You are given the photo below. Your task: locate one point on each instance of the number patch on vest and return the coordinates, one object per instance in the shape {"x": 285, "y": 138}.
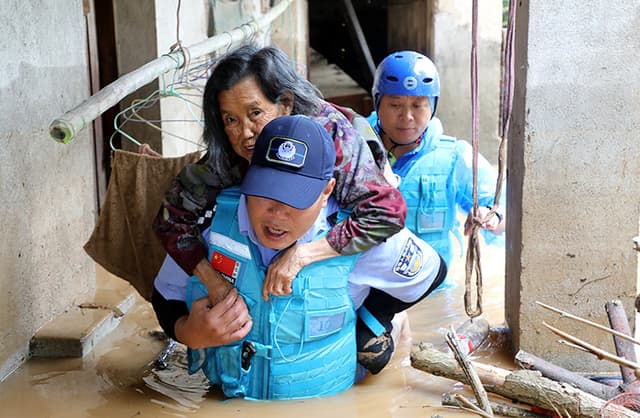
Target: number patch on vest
{"x": 321, "y": 325}
{"x": 409, "y": 263}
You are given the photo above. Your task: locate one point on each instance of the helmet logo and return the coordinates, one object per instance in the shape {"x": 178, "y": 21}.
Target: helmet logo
{"x": 410, "y": 83}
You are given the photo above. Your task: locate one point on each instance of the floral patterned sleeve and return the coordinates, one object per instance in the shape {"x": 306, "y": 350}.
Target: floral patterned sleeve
{"x": 378, "y": 210}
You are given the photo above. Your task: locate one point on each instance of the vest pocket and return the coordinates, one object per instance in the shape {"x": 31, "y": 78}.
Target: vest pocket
{"x": 432, "y": 208}
{"x": 226, "y": 370}
{"x": 311, "y": 316}
{"x": 433, "y": 221}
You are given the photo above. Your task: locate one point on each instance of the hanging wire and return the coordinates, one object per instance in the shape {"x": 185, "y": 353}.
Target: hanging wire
{"x": 186, "y": 87}
{"x": 186, "y": 84}
{"x": 65, "y": 128}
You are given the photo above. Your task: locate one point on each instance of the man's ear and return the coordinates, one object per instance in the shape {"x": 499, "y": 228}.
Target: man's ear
{"x": 328, "y": 189}
{"x": 286, "y": 103}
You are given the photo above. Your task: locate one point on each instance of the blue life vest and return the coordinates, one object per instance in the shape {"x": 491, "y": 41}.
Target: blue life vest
{"x": 301, "y": 345}
{"x": 428, "y": 187}
{"x": 437, "y": 180}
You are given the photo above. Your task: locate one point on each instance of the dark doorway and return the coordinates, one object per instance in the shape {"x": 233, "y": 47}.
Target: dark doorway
{"x": 347, "y": 32}
{"x": 103, "y": 70}
{"x": 332, "y": 34}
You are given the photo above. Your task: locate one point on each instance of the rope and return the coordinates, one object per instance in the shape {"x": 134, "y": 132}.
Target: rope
{"x": 507, "y": 98}
{"x": 473, "y": 264}
{"x": 473, "y": 249}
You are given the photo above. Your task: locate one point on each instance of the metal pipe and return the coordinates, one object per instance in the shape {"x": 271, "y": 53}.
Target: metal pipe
{"x": 65, "y": 128}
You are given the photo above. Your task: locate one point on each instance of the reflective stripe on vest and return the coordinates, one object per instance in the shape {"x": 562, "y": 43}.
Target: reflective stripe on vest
{"x": 301, "y": 345}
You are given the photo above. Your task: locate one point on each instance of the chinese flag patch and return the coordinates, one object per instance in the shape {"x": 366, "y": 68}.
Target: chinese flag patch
{"x": 225, "y": 265}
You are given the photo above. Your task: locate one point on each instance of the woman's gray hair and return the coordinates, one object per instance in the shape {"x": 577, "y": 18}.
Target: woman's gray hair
{"x": 276, "y": 77}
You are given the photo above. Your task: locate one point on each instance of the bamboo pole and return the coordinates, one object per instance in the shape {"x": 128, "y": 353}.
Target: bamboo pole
{"x": 65, "y": 128}
{"x": 625, "y": 349}
{"x": 587, "y": 322}
{"x": 601, "y": 354}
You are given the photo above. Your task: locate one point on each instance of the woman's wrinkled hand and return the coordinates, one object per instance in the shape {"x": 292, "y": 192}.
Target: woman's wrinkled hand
{"x": 283, "y": 270}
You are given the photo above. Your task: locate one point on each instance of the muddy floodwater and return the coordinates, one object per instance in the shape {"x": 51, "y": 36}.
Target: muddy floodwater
{"x": 119, "y": 378}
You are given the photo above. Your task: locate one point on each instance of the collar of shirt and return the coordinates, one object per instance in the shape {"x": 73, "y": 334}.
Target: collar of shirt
{"x": 319, "y": 228}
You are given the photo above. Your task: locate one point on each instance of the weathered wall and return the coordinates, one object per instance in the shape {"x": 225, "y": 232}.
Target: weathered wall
{"x": 574, "y": 169}
{"x": 145, "y": 30}
{"x": 452, "y": 56}
{"x": 48, "y": 189}
{"x": 195, "y": 22}
{"x": 136, "y": 34}
{"x": 290, "y": 32}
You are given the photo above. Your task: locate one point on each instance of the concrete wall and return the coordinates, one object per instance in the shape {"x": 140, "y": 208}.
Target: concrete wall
{"x": 145, "y": 30}
{"x": 573, "y": 173}
{"x": 195, "y": 22}
{"x": 452, "y": 56}
{"x": 48, "y": 189}
{"x": 136, "y": 34}
{"x": 290, "y": 32}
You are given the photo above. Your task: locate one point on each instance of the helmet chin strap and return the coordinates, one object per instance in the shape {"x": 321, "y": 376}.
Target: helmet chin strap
{"x": 397, "y": 144}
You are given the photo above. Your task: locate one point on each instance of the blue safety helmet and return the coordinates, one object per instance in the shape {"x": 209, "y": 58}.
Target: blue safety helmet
{"x": 406, "y": 73}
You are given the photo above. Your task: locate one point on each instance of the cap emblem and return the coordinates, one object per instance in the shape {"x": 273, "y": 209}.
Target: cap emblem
{"x": 287, "y": 151}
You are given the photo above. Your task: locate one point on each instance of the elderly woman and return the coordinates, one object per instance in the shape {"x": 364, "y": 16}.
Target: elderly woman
{"x": 248, "y": 88}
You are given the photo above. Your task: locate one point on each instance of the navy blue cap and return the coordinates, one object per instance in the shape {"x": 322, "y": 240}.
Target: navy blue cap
{"x": 292, "y": 162}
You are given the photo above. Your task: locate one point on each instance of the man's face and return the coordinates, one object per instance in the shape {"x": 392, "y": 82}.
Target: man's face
{"x": 245, "y": 110}
{"x": 404, "y": 118}
{"x": 277, "y": 225}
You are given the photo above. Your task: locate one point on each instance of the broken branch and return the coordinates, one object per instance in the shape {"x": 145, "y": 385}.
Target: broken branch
{"x": 522, "y": 385}
{"x": 499, "y": 408}
{"x": 470, "y": 373}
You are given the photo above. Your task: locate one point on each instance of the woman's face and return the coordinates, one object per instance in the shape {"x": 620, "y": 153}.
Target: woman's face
{"x": 404, "y": 118}
{"x": 245, "y": 110}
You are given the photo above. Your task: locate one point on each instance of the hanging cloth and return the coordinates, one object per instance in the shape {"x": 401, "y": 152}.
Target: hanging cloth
{"x": 123, "y": 241}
